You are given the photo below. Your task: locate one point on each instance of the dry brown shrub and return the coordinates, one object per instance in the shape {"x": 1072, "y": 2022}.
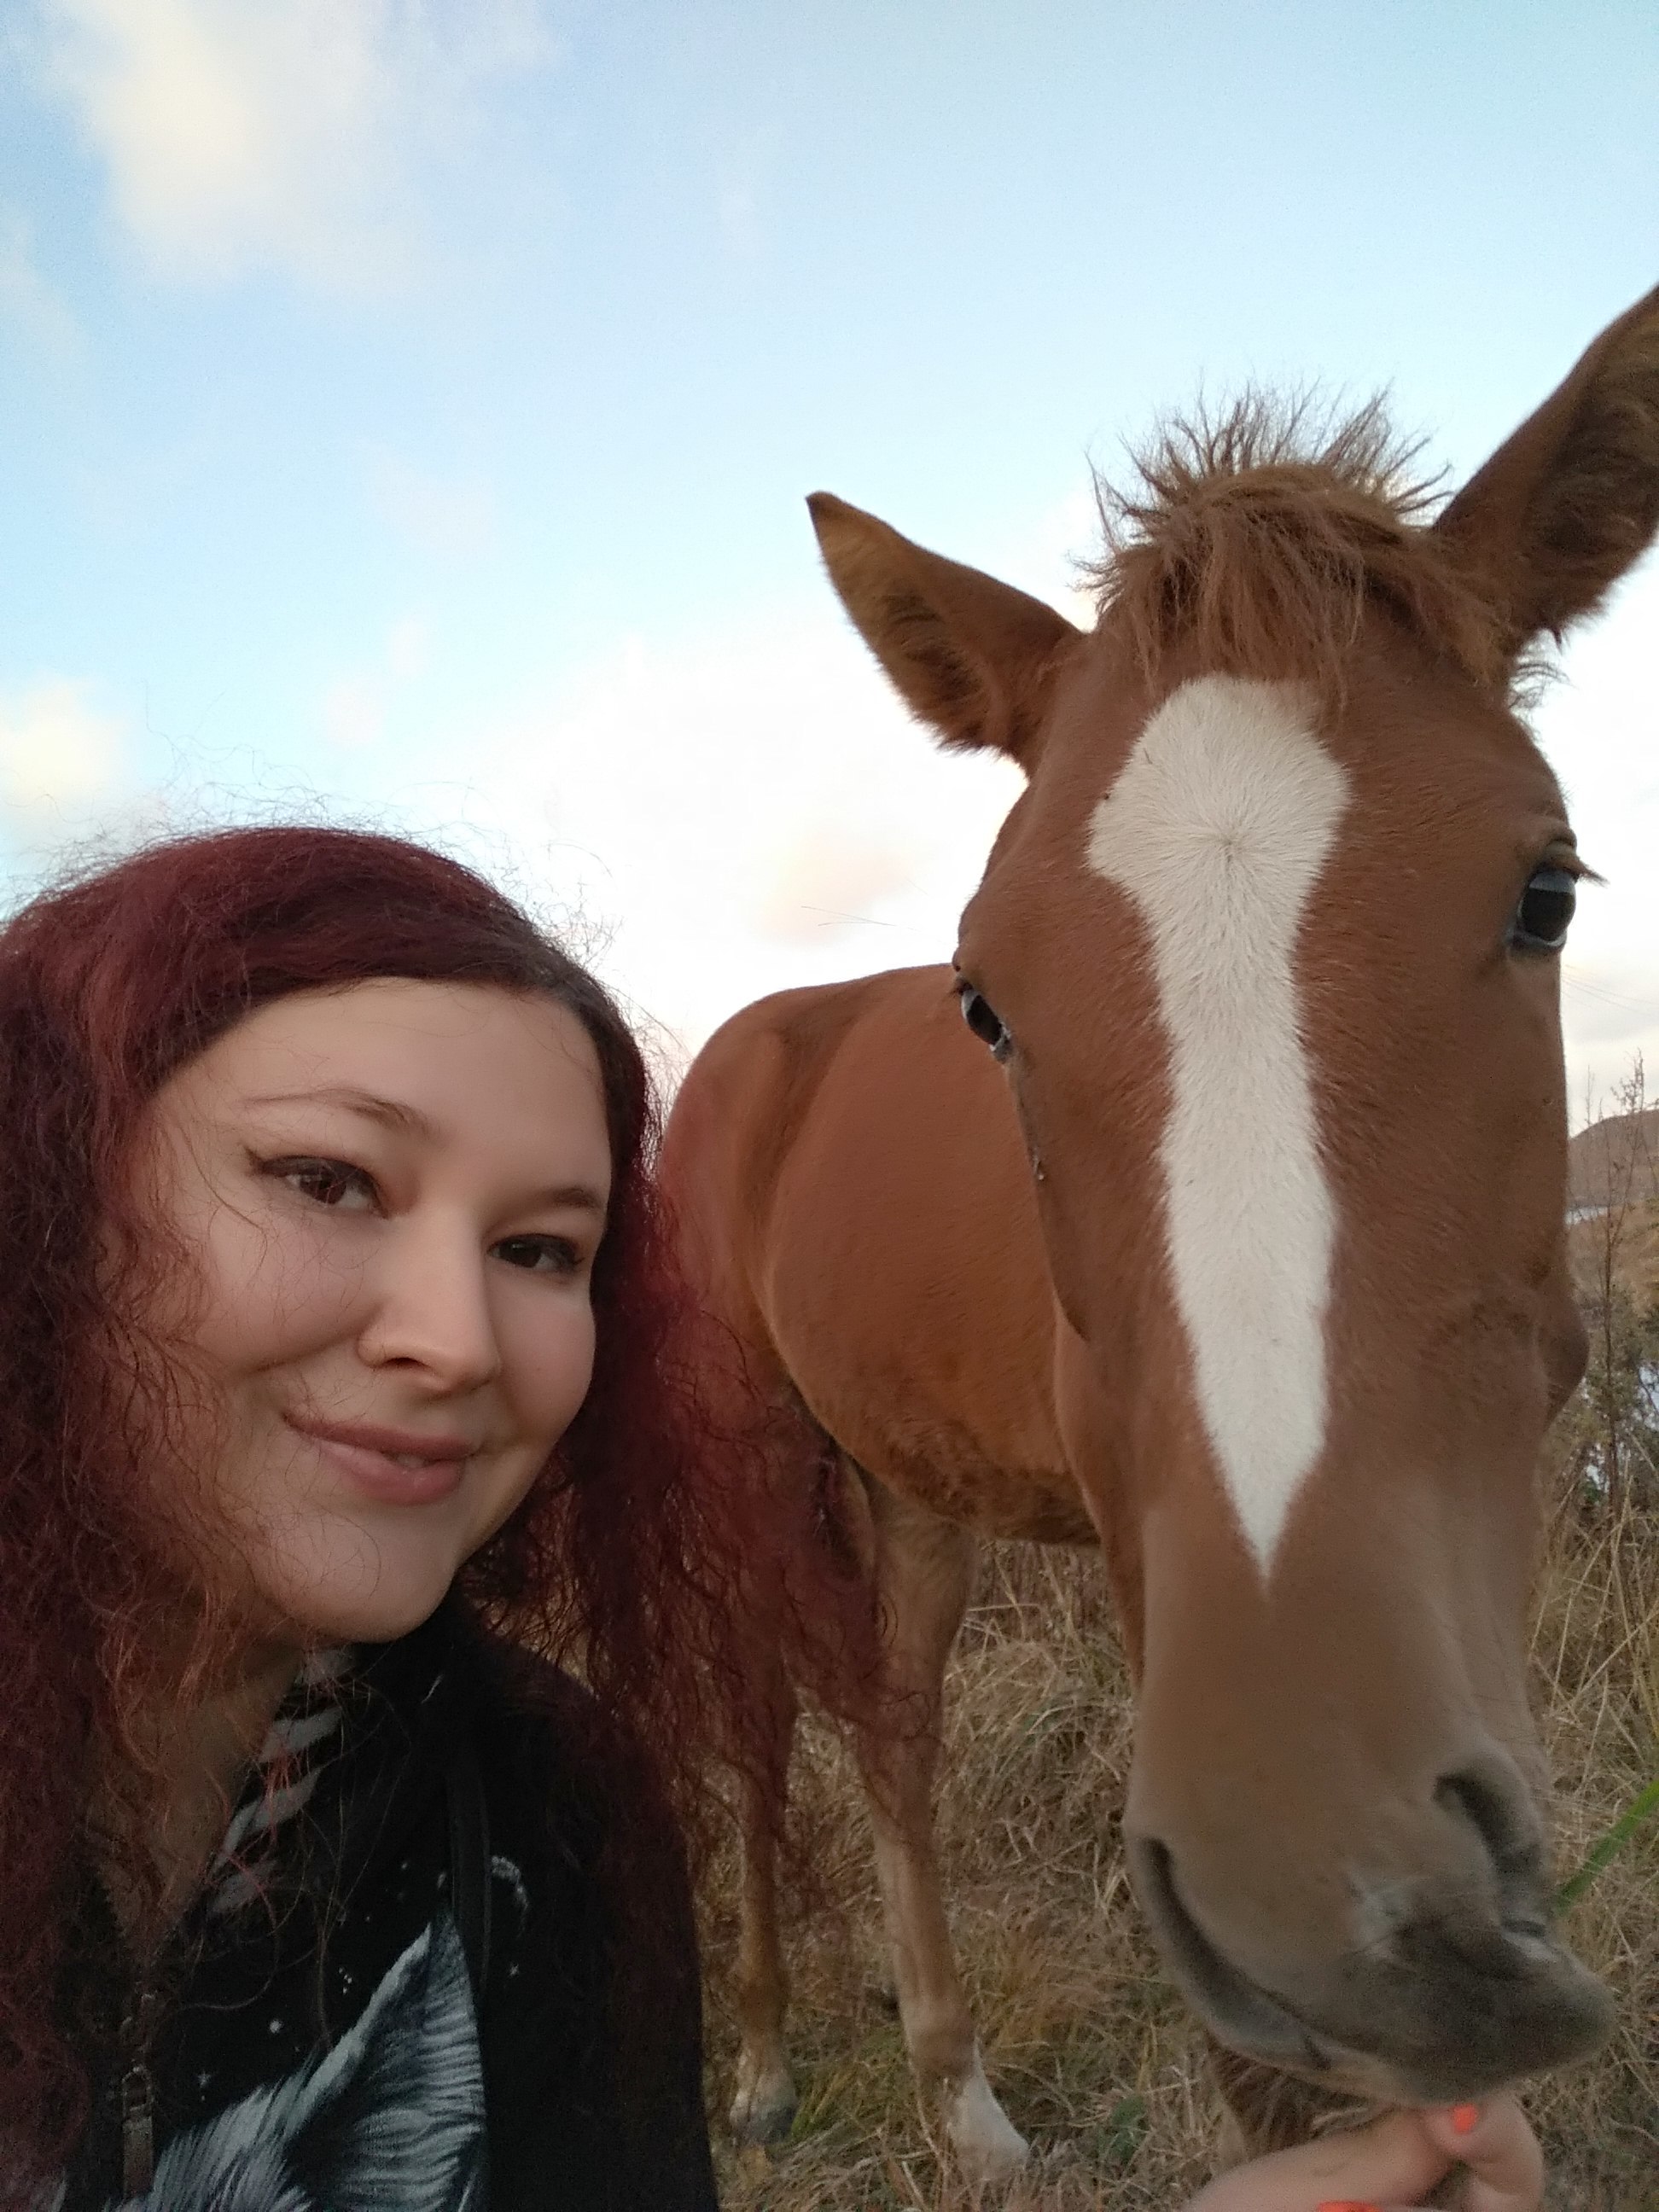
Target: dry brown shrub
{"x": 1092, "y": 2054}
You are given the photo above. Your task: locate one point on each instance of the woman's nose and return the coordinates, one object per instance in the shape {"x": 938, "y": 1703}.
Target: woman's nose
{"x": 431, "y": 1307}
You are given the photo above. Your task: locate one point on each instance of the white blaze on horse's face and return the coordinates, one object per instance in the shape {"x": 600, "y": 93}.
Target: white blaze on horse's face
{"x": 1218, "y": 827}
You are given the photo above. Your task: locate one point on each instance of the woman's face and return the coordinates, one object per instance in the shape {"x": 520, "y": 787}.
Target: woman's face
{"x": 393, "y": 1195}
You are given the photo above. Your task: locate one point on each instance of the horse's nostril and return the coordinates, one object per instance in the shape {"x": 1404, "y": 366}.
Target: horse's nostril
{"x": 1493, "y": 1802}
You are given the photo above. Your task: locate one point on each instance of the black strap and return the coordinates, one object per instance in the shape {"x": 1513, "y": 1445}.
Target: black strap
{"x": 469, "y": 1864}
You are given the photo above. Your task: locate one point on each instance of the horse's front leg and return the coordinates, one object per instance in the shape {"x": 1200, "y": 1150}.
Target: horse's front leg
{"x": 925, "y": 1572}
{"x": 763, "y": 2095}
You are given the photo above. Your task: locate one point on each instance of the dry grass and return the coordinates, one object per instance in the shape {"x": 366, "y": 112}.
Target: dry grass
{"x": 1092, "y": 2056}
{"x": 1596, "y": 1657}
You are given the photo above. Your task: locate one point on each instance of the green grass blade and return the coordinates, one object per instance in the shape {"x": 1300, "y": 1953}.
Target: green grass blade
{"x": 1609, "y": 1846}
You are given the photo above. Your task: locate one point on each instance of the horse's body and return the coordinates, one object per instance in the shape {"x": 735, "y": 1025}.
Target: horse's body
{"x": 1248, "y": 1260}
{"x": 881, "y": 1091}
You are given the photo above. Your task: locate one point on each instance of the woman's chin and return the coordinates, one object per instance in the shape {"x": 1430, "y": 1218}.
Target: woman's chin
{"x": 362, "y": 1594}
{"x": 382, "y": 1622}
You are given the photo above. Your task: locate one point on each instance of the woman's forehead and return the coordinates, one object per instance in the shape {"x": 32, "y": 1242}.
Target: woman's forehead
{"x": 444, "y": 1063}
{"x": 393, "y": 1013}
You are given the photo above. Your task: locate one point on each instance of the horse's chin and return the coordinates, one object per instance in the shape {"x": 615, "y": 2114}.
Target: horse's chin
{"x": 1261, "y": 2026}
{"x": 1252, "y": 2020}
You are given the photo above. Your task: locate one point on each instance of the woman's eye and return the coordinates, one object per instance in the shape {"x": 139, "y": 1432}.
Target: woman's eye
{"x": 541, "y": 1255}
{"x": 987, "y": 1025}
{"x": 327, "y": 1182}
{"x": 1545, "y": 910}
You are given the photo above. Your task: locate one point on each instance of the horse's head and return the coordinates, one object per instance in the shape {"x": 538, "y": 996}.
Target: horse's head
{"x": 1269, "y": 949}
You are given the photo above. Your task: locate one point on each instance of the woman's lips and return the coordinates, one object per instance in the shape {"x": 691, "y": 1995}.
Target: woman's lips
{"x": 391, "y": 1467}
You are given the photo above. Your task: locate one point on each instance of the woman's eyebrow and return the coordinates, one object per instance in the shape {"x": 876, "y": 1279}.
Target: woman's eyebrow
{"x": 577, "y": 1197}
{"x": 389, "y": 1112}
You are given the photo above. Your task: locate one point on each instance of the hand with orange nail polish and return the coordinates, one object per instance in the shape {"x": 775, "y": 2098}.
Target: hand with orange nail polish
{"x": 1393, "y": 2165}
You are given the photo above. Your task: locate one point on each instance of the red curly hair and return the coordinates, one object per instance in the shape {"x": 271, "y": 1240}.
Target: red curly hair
{"x": 623, "y": 1555}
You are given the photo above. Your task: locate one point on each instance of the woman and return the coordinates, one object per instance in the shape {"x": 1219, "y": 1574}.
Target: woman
{"x": 334, "y": 1334}
{"x": 337, "y": 1340}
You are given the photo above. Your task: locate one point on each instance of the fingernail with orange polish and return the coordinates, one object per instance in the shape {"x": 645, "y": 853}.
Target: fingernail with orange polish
{"x": 1347, "y": 2204}
{"x": 1464, "y": 2117}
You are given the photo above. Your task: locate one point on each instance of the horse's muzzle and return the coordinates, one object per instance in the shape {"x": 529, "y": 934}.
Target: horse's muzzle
{"x": 1437, "y": 2009}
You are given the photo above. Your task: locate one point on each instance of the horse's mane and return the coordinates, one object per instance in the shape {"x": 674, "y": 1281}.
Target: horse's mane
{"x": 1260, "y": 535}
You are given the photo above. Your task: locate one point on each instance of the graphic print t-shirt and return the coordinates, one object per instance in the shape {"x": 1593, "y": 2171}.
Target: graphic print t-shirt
{"x": 320, "y": 2048}
{"x": 392, "y": 2116}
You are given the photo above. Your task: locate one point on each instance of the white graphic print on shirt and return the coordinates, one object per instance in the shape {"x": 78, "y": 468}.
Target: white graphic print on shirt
{"x": 392, "y": 2115}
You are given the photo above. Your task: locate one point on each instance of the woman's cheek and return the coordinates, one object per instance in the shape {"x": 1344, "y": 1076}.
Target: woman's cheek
{"x": 557, "y": 1367}
{"x": 265, "y": 1292}
{"x": 579, "y": 1373}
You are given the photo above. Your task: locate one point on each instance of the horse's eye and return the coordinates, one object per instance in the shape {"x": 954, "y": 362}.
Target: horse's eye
{"x": 1546, "y": 909}
{"x": 982, "y": 1017}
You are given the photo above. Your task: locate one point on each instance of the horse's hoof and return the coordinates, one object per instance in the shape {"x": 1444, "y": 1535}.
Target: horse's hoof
{"x": 763, "y": 2109}
{"x": 988, "y": 2147}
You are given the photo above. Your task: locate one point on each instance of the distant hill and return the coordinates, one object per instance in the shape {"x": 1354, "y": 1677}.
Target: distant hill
{"x": 1612, "y": 1204}
{"x": 1613, "y": 1161}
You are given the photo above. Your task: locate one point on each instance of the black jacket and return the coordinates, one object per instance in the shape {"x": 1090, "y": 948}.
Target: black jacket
{"x": 313, "y": 2040}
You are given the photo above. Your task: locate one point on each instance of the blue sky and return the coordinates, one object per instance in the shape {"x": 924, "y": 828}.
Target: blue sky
{"x": 409, "y": 408}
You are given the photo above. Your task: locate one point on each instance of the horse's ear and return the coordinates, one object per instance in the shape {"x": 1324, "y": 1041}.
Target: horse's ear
{"x": 1569, "y": 503}
{"x": 974, "y": 658}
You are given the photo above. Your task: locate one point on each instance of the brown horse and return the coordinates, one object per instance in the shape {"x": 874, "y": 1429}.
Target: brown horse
{"x": 1227, "y": 1232}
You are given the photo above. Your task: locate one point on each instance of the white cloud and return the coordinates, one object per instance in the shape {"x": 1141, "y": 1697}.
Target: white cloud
{"x": 831, "y": 875}
{"x": 27, "y": 301}
{"x": 1043, "y": 559}
{"x": 742, "y": 175}
{"x": 1600, "y": 726}
{"x": 451, "y": 515}
{"x": 406, "y": 650}
{"x": 284, "y": 134}
{"x": 61, "y": 756}
{"x": 353, "y": 711}
{"x": 726, "y": 817}
{"x": 355, "y": 705}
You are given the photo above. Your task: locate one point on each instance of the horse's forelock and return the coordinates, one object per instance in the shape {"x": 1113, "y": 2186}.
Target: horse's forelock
{"x": 1260, "y": 535}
